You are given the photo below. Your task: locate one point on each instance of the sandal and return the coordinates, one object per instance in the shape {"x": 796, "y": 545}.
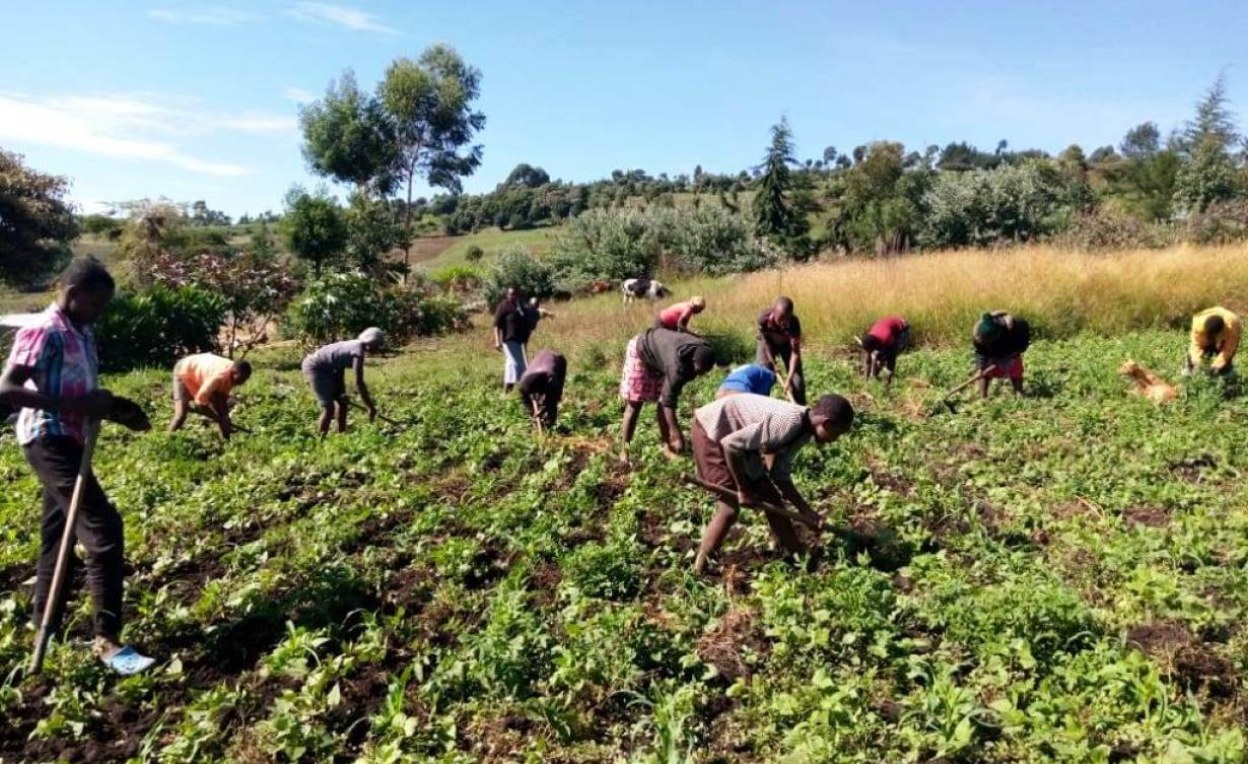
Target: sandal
{"x": 127, "y": 661}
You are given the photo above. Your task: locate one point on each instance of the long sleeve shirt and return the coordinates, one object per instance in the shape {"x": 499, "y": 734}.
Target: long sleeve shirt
{"x": 1223, "y": 344}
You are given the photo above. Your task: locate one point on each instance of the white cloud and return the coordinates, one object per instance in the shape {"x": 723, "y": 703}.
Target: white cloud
{"x": 299, "y": 95}
{"x": 278, "y": 125}
{"x": 339, "y": 15}
{"x": 211, "y": 15}
{"x": 135, "y": 126}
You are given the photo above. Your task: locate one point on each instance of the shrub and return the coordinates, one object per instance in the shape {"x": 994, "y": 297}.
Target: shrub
{"x": 1106, "y": 229}
{"x": 1223, "y": 222}
{"x": 517, "y": 268}
{"x": 457, "y": 278}
{"x": 256, "y": 289}
{"x": 474, "y": 254}
{"x": 157, "y": 328}
{"x": 621, "y": 244}
{"x": 342, "y": 305}
{"x": 984, "y": 207}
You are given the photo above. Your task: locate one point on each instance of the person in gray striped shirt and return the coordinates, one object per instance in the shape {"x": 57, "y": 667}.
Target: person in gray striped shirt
{"x": 744, "y": 444}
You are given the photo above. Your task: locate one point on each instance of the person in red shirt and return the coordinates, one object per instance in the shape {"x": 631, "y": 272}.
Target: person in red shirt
{"x": 881, "y": 344}
{"x": 677, "y": 317}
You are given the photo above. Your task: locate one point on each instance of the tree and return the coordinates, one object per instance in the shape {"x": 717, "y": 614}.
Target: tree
{"x": 315, "y": 228}
{"x": 1207, "y": 177}
{"x": 829, "y": 154}
{"x": 1213, "y": 123}
{"x": 428, "y": 104}
{"x": 36, "y": 222}
{"x": 1141, "y": 142}
{"x": 372, "y": 231}
{"x": 526, "y": 176}
{"x": 774, "y": 216}
{"x": 881, "y": 200}
{"x": 347, "y": 137}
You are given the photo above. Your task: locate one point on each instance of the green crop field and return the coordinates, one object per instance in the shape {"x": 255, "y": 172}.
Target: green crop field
{"x": 1061, "y": 577}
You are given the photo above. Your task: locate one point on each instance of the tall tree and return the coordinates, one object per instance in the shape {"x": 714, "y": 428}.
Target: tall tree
{"x": 774, "y": 217}
{"x": 315, "y": 228}
{"x": 1214, "y": 122}
{"x": 36, "y": 222}
{"x": 347, "y": 137}
{"x": 428, "y": 103}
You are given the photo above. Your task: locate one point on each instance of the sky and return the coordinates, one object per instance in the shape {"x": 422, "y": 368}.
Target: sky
{"x": 200, "y": 100}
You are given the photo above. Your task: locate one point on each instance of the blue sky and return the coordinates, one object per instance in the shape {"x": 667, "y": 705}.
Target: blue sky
{"x": 199, "y": 100}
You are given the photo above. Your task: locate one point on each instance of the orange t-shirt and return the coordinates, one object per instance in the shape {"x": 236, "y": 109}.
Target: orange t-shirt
{"x": 204, "y": 374}
{"x": 672, "y": 317}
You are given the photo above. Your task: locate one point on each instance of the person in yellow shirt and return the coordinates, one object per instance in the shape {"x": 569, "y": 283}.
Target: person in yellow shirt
{"x": 1216, "y": 333}
{"x": 204, "y": 381}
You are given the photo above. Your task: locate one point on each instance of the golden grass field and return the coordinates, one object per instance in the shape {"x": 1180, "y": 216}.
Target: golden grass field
{"x": 1060, "y": 292}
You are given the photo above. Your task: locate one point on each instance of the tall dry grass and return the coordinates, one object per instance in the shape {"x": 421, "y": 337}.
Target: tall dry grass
{"x": 1060, "y": 292}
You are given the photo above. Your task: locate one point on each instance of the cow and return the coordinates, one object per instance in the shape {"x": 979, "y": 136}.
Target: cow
{"x": 647, "y": 288}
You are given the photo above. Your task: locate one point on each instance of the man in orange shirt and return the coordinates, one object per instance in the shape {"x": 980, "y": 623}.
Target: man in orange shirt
{"x": 204, "y": 381}
{"x": 677, "y": 317}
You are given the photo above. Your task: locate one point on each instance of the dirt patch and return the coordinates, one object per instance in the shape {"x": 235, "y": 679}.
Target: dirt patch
{"x": 1199, "y": 668}
{"x": 1160, "y": 638}
{"x": 488, "y": 565}
{"x": 409, "y": 588}
{"x": 544, "y": 583}
{"x": 11, "y": 578}
{"x": 1192, "y": 470}
{"x": 1152, "y": 517}
{"x": 885, "y": 549}
{"x": 114, "y": 733}
{"x": 735, "y": 645}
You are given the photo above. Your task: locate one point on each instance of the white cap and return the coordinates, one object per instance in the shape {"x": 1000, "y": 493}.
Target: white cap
{"x": 372, "y": 336}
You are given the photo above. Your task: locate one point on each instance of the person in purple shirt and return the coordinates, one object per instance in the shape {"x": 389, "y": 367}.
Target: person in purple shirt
{"x": 325, "y": 370}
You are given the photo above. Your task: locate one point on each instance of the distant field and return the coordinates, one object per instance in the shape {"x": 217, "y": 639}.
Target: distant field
{"x": 441, "y": 251}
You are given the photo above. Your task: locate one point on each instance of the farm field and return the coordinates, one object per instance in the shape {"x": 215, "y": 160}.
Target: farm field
{"x": 1062, "y": 577}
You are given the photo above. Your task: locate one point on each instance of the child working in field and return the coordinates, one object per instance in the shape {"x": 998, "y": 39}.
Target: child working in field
{"x": 881, "y": 344}
{"x": 744, "y": 446}
{"x": 780, "y": 337}
{"x": 541, "y": 387}
{"x": 1000, "y": 340}
{"x": 751, "y": 378}
{"x": 53, "y": 376}
{"x": 204, "y": 381}
{"x": 1215, "y": 335}
{"x": 658, "y": 363}
{"x": 678, "y": 316}
{"x": 325, "y": 370}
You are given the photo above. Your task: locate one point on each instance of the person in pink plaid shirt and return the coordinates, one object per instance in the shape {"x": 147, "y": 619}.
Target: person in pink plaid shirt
{"x": 53, "y": 375}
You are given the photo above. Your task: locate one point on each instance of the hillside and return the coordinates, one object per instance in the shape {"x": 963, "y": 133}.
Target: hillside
{"x": 1057, "y": 577}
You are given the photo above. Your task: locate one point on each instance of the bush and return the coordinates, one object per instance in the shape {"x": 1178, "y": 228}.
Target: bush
{"x": 1109, "y": 230}
{"x": 517, "y": 268}
{"x": 255, "y": 289}
{"x": 159, "y": 327}
{"x": 474, "y": 254}
{"x": 342, "y": 305}
{"x": 985, "y": 207}
{"x": 462, "y": 279}
{"x": 1224, "y": 222}
{"x": 621, "y": 244}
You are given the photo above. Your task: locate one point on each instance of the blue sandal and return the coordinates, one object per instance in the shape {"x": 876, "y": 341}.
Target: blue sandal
{"x": 127, "y": 661}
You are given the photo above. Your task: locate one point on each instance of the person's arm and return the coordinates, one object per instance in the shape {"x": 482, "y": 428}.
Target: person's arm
{"x": 790, "y": 493}
{"x": 13, "y": 392}
{"x": 498, "y": 327}
{"x": 1228, "y": 343}
{"x": 359, "y": 383}
{"x": 1196, "y": 348}
{"x": 219, "y": 402}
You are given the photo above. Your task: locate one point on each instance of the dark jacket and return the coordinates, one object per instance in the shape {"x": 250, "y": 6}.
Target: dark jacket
{"x": 671, "y": 354}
